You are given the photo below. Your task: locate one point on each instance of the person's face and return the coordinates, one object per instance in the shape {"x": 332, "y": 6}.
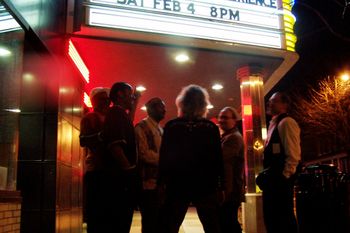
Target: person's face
{"x": 127, "y": 98}
{"x": 101, "y": 101}
{"x": 275, "y": 105}
{"x": 226, "y": 120}
{"x": 158, "y": 111}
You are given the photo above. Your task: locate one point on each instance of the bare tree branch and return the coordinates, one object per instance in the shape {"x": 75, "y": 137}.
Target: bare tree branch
{"x": 325, "y": 111}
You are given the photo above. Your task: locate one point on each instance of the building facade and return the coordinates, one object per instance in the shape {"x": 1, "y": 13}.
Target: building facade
{"x": 42, "y": 87}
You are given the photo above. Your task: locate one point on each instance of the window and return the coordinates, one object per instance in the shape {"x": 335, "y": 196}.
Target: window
{"x": 11, "y": 56}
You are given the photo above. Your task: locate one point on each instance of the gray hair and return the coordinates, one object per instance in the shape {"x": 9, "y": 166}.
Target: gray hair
{"x": 233, "y": 111}
{"x": 192, "y": 102}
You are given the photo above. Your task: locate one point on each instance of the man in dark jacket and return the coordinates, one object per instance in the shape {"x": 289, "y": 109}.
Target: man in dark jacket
{"x": 233, "y": 155}
{"x": 119, "y": 136}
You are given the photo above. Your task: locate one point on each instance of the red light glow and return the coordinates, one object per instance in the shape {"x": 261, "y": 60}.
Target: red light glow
{"x": 74, "y": 55}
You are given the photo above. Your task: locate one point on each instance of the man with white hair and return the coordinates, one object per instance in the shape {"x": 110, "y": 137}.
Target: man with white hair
{"x": 190, "y": 164}
{"x": 94, "y": 150}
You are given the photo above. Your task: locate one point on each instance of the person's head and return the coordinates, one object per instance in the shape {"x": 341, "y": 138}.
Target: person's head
{"x": 99, "y": 98}
{"x": 192, "y": 102}
{"x": 228, "y": 117}
{"x": 155, "y": 109}
{"x": 122, "y": 94}
{"x": 278, "y": 103}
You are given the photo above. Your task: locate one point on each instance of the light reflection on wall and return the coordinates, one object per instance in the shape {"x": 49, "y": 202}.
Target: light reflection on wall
{"x": 65, "y": 134}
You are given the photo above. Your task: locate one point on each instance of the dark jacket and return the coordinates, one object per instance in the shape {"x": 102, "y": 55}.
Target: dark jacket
{"x": 233, "y": 155}
{"x": 190, "y": 161}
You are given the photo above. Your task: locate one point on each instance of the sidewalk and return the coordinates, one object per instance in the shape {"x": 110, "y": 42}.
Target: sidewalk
{"x": 191, "y": 224}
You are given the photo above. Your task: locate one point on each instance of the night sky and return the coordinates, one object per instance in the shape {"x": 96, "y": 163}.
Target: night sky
{"x": 323, "y": 43}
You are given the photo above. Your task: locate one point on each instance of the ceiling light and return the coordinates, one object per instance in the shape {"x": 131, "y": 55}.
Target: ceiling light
{"x": 182, "y": 57}
{"x": 4, "y": 52}
{"x": 140, "y": 88}
{"x": 209, "y": 106}
{"x": 217, "y": 87}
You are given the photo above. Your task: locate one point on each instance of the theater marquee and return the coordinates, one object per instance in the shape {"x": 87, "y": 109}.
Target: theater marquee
{"x": 266, "y": 23}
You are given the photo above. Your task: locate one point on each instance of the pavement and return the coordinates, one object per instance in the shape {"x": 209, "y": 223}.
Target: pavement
{"x": 191, "y": 224}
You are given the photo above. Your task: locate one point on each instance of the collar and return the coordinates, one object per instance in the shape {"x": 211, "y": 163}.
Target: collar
{"x": 152, "y": 122}
{"x": 278, "y": 117}
{"x": 230, "y": 131}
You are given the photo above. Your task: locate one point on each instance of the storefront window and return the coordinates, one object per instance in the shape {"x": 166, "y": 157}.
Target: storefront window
{"x": 11, "y": 57}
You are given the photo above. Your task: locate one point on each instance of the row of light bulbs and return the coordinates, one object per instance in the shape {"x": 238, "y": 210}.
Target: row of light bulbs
{"x": 214, "y": 87}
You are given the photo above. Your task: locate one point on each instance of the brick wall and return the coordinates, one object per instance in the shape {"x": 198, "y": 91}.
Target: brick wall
{"x": 10, "y": 212}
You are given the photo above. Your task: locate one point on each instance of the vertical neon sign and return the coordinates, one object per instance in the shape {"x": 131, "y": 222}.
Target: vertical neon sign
{"x": 74, "y": 55}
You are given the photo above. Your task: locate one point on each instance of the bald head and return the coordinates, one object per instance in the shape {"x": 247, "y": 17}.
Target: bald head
{"x": 156, "y": 109}
{"x": 278, "y": 103}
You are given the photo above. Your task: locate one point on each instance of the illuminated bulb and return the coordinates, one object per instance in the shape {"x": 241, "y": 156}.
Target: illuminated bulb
{"x": 77, "y": 110}
{"x": 15, "y": 110}
{"x": 182, "y": 58}
{"x": 210, "y": 106}
{"x": 264, "y": 133}
{"x": 4, "y": 52}
{"x": 28, "y": 77}
{"x": 217, "y": 87}
{"x": 140, "y": 88}
{"x": 345, "y": 77}
{"x": 144, "y": 108}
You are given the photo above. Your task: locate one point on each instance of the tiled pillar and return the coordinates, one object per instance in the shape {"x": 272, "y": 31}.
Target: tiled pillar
{"x": 254, "y": 134}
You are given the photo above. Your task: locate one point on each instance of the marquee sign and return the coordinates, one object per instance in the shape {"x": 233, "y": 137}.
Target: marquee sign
{"x": 252, "y": 22}
{"x": 7, "y": 22}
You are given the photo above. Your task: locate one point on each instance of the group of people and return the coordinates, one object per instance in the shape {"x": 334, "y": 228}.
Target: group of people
{"x": 163, "y": 171}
